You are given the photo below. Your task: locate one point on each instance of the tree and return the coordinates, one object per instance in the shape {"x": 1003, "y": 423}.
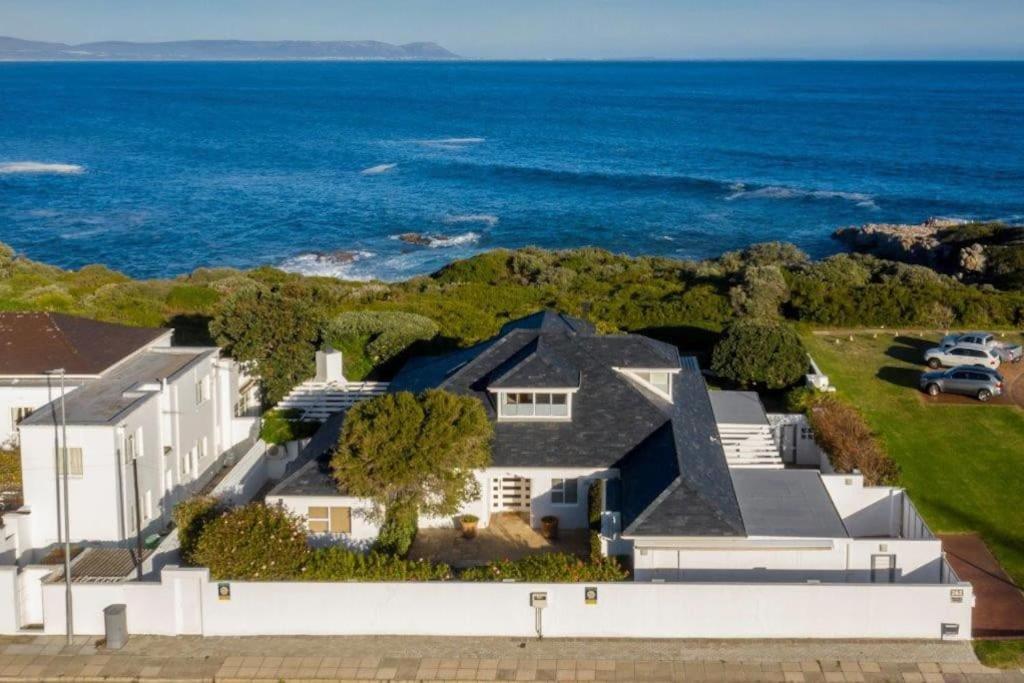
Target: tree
{"x": 274, "y": 330}
{"x": 760, "y": 352}
{"x": 760, "y": 293}
{"x": 414, "y": 453}
{"x": 254, "y": 542}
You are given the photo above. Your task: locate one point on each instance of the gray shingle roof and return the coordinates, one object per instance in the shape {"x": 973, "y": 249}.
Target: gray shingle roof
{"x": 788, "y": 503}
{"x": 675, "y": 480}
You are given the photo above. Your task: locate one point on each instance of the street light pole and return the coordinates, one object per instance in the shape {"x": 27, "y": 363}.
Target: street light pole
{"x": 67, "y": 516}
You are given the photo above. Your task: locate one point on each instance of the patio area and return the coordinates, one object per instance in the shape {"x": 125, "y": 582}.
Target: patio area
{"x": 507, "y": 537}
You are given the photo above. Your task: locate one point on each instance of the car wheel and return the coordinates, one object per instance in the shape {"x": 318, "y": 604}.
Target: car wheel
{"x": 934, "y": 363}
{"x": 933, "y": 390}
{"x": 984, "y": 395}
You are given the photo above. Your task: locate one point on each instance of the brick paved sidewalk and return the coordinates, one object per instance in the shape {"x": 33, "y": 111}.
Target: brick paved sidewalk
{"x": 43, "y": 658}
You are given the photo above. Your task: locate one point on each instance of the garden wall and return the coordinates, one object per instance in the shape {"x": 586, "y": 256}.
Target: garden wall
{"x": 186, "y": 601}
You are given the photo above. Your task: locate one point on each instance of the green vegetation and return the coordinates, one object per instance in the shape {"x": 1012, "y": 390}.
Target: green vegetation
{"x": 373, "y": 339}
{"x": 190, "y": 518}
{"x": 757, "y": 352}
{"x": 281, "y": 426}
{"x": 413, "y": 454}
{"x": 1002, "y": 654}
{"x": 961, "y": 463}
{"x": 549, "y": 567}
{"x": 334, "y": 563}
{"x": 595, "y": 494}
{"x": 253, "y": 543}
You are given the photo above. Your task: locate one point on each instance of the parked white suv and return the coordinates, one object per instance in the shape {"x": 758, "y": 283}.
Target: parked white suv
{"x": 987, "y": 342}
{"x": 961, "y": 354}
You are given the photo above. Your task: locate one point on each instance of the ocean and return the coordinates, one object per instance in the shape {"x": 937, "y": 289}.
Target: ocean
{"x": 158, "y": 168}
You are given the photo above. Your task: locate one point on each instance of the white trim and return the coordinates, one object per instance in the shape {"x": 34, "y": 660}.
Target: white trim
{"x": 534, "y": 418}
{"x": 631, "y": 373}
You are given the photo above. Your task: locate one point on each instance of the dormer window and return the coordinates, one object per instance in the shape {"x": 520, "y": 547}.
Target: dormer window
{"x": 536, "y": 405}
{"x": 658, "y": 381}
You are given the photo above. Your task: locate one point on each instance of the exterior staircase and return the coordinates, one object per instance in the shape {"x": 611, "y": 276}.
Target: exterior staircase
{"x": 750, "y": 446}
{"x": 317, "y": 401}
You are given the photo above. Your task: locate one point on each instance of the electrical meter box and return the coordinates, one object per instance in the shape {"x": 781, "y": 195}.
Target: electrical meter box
{"x": 538, "y": 600}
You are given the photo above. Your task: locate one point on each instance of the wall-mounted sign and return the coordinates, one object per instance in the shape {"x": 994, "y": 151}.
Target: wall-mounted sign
{"x": 224, "y": 591}
{"x": 590, "y": 595}
{"x": 956, "y": 595}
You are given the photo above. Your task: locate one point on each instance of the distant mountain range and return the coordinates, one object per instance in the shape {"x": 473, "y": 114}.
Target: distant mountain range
{"x": 15, "y": 49}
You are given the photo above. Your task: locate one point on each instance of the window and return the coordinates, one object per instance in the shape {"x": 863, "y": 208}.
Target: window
{"x": 564, "y": 491}
{"x": 202, "y": 390}
{"x": 329, "y": 520}
{"x": 534, "y": 404}
{"x": 202, "y": 448}
{"x": 19, "y": 414}
{"x": 659, "y": 380}
{"x": 75, "y": 468}
{"x": 147, "y": 512}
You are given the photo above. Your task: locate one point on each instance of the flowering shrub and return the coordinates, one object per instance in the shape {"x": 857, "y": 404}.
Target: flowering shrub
{"x": 335, "y": 563}
{"x": 550, "y": 567}
{"x": 190, "y": 517}
{"x": 254, "y": 543}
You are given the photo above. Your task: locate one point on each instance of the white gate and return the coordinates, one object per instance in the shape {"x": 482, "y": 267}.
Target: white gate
{"x": 510, "y": 494}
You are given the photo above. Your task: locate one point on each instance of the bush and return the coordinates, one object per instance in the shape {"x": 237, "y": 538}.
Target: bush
{"x": 549, "y": 567}
{"x": 759, "y": 352}
{"x": 254, "y": 543}
{"x": 335, "y": 563}
{"x": 397, "y": 532}
{"x": 845, "y": 437}
{"x": 191, "y": 517}
{"x": 281, "y": 426}
{"x": 389, "y": 333}
{"x": 594, "y": 496}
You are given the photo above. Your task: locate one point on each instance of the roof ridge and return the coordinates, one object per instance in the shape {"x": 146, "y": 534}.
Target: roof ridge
{"x": 62, "y": 334}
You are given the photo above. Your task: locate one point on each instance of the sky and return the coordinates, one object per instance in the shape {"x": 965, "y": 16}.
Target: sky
{"x": 559, "y": 29}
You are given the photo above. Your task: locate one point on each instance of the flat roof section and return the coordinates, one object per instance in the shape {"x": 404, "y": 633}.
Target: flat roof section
{"x": 106, "y": 399}
{"x": 787, "y": 503}
{"x": 738, "y": 407}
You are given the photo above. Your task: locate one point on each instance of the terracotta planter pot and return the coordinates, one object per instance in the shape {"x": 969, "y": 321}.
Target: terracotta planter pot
{"x": 468, "y": 528}
{"x": 549, "y": 527}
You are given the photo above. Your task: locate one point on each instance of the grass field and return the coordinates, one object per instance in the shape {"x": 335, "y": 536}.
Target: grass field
{"x": 962, "y": 464}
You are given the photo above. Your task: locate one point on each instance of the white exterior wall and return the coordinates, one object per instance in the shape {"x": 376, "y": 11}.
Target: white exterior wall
{"x": 185, "y": 601}
{"x": 33, "y": 397}
{"x": 364, "y": 527}
{"x": 569, "y": 516}
{"x": 866, "y": 510}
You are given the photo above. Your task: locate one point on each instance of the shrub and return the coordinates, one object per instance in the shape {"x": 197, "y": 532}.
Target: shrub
{"x": 281, "y": 426}
{"x": 253, "y": 543}
{"x": 762, "y": 290}
{"x": 594, "y": 496}
{"x": 758, "y": 352}
{"x": 845, "y": 437}
{"x": 397, "y": 532}
{"x": 549, "y": 567}
{"x": 191, "y": 517}
{"x": 335, "y": 563}
{"x": 384, "y": 335}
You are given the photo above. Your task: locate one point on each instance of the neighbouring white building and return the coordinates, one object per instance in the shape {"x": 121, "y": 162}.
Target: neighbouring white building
{"x": 147, "y": 423}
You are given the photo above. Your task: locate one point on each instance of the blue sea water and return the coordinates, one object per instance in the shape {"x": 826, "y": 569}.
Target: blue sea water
{"x": 157, "y": 168}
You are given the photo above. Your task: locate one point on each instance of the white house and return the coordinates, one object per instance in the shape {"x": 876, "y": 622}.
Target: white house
{"x": 692, "y": 485}
{"x": 147, "y": 423}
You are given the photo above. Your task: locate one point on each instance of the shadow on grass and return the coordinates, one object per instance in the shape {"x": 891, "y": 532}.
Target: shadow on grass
{"x": 693, "y": 341}
{"x": 909, "y": 349}
{"x": 901, "y": 377}
{"x": 995, "y": 537}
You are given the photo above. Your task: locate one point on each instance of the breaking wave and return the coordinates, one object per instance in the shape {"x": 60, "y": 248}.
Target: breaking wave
{"x": 487, "y": 219}
{"x": 339, "y": 264}
{"x": 39, "y": 167}
{"x": 740, "y": 191}
{"x": 378, "y": 169}
{"x": 437, "y": 241}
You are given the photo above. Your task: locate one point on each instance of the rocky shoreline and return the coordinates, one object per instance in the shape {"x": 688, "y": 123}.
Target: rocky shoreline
{"x": 974, "y": 252}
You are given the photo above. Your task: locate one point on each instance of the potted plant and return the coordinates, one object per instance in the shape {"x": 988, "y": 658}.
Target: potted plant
{"x": 468, "y": 523}
{"x": 549, "y": 526}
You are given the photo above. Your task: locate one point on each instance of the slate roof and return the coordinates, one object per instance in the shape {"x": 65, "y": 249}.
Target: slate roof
{"x": 33, "y": 343}
{"x": 738, "y": 407}
{"x": 675, "y": 480}
{"x": 788, "y": 503}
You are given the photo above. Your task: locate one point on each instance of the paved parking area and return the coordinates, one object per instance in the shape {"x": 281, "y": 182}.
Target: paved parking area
{"x": 265, "y": 658}
{"x": 1013, "y": 390}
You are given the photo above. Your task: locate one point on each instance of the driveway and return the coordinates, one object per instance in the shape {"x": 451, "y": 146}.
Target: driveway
{"x": 999, "y": 610}
{"x": 1013, "y": 390}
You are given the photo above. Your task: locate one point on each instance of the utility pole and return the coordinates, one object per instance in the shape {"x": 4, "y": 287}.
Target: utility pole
{"x": 67, "y": 517}
{"x": 138, "y": 513}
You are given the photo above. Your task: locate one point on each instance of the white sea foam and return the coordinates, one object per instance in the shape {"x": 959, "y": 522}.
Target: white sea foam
{"x": 39, "y": 167}
{"x": 454, "y": 142}
{"x": 487, "y": 219}
{"x": 378, "y": 169}
{"x": 438, "y": 241}
{"x": 329, "y": 265}
{"x": 739, "y": 191}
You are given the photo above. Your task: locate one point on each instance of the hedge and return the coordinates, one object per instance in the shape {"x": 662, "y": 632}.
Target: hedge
{"x": 190, "y": 518}
{"x": 846, "y": 438}
{"x": 335, "y": 563}
{"x": 549, "y": 567}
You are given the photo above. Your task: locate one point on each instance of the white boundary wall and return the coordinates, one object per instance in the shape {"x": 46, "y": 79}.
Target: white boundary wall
{"x": 186, "y": 601}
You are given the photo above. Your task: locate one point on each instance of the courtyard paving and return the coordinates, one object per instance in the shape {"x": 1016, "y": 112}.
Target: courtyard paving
{"x": 296, "y": 658}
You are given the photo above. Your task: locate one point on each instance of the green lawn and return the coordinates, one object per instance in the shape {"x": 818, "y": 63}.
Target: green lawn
{"x": 962, "y": 464}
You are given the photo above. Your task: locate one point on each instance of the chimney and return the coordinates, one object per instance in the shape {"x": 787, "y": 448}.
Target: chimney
{"x": 328, "y": 366}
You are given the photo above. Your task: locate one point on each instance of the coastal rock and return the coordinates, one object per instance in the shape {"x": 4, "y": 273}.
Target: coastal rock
{"x": 339, "y": 257}
{"x": 417, "y": 238}
{"x": 973, "y": 259}
{"x": 899, "y": 242}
